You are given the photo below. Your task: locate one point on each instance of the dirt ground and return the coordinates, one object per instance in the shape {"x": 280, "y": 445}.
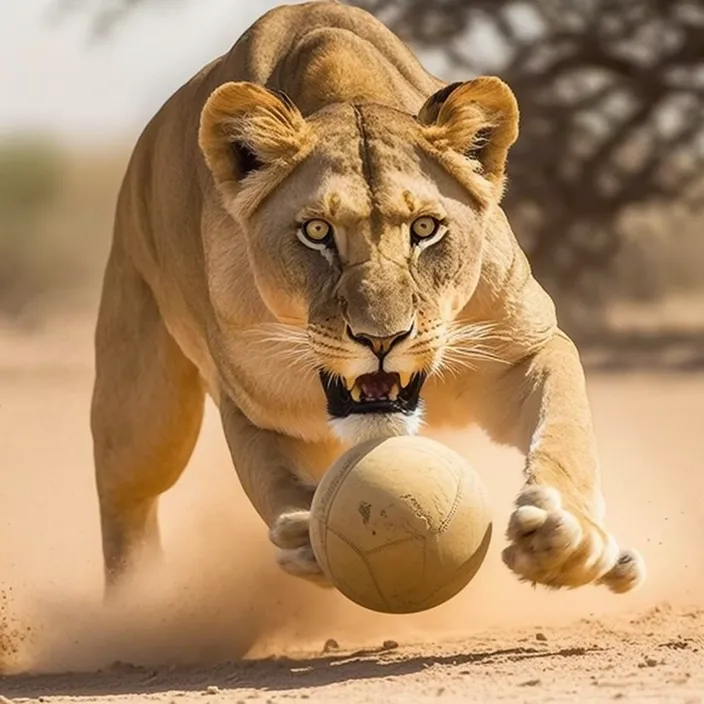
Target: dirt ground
{"x": 219, "y": 621}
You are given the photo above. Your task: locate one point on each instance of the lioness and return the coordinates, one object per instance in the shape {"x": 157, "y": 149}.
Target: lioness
{"x": 310, "y": 232}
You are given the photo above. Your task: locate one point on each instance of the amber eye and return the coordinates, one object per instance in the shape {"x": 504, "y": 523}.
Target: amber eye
{"x": 424, "y": 227}
{"x": 316, "y": 232}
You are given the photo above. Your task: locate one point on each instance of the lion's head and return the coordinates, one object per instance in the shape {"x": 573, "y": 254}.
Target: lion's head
{"x": 365, "y": 228}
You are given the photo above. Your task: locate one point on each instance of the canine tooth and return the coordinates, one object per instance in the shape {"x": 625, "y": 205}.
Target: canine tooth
{"x": 356, "y": 393}
{"x": 393, "y": 392}
{"x": 349, "y": 382}
{"x": 405, "y": 378}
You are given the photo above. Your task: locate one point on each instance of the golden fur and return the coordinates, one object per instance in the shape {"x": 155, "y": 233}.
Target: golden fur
{"x": 320, "y": 112}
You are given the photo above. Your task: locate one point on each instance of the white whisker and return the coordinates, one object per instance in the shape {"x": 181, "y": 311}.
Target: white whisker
{"x": 474, "y": 354}
{"x": 285, "y": 343}
{"x": 465, "y": 345}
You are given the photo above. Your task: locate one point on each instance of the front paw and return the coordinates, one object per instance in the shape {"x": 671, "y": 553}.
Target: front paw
{"x": 559, "y": 548}
{"x": 290, "y": 534}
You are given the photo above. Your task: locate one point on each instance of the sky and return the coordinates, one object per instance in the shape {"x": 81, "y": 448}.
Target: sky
{"x": 55, "y": 78}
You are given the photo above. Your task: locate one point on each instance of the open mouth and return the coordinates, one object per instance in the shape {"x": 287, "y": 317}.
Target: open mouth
{"x": 380, "y": 392}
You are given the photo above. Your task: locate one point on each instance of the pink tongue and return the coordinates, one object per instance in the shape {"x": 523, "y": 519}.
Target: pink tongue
{"x": 376, "y": 386}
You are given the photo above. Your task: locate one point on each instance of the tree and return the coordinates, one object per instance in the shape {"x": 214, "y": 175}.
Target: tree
{"x": 106, "y": 13}
{"x": 612, "y": 107}
{"x": 612, "y": 111}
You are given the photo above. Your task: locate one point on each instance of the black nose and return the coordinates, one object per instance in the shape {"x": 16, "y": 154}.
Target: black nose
{"x": 381, "y": 346}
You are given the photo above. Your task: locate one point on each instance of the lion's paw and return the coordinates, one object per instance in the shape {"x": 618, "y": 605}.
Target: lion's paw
{"x": 290, "y": 530}
{"x": 558, "y": 548}
{"x": 626, "y": 574}
{"x": 290, "y": 534}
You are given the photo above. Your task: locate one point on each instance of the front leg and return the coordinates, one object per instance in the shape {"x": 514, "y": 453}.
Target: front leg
{"x": 274, "y": 472}
{"x": 556, "y": 531}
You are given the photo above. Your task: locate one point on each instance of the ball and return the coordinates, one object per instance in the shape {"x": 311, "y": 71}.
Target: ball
{"x": 400, "y": 525}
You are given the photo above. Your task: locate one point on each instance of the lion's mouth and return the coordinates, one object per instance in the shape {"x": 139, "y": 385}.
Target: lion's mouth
{"x": 380, "y": 392}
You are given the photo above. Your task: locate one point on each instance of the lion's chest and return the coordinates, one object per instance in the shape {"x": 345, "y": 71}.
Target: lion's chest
{"x": 450, "y": 403}
{"x": 274, "y": 394}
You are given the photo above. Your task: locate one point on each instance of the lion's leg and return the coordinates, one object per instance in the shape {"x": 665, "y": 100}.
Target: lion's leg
{"x": 556, "y": 532}
{"x": 276, "y": 473}
{"x": 146, "y": 413}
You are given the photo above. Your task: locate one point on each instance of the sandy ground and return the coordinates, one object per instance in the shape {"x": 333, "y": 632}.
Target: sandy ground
{"x": 219, "y": 621}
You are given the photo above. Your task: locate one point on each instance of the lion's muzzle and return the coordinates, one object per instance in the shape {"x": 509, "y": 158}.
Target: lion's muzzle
{"x": 379, "y": 392}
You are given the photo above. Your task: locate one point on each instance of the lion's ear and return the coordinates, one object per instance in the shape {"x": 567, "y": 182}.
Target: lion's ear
{"x": 245, "y": 127}
{"x": 477, "y": 118}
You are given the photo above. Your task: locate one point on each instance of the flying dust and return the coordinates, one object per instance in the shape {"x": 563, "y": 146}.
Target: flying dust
{"x": 218, "y": 595}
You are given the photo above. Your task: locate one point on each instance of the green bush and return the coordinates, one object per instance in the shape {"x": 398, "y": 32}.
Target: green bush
{"x": 31, "y": 173}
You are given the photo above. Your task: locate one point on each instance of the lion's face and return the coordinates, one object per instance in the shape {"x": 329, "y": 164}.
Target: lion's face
{"x": 368, "y": 234}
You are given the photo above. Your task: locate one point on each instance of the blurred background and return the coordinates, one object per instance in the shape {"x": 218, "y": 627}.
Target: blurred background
{"x": 606, "y": 186}
{"x": 605, "y": 181}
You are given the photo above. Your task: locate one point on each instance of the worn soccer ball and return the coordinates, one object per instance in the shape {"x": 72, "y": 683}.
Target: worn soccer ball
{"x": 400, "y": 525}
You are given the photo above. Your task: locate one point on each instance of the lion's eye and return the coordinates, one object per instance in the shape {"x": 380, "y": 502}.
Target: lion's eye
{"x": 424, "y": 228}
{"x": 316, "y": 233}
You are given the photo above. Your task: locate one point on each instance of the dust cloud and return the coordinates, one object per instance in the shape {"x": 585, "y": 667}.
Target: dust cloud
{"x": 218, "y": 596}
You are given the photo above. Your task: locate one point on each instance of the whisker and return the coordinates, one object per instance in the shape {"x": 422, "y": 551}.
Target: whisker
{"x": 461, "y": 356}
{"x": 455, "y": 365}
{"x": 475, "y": 329}
{"x": 298, "y": 344}
{"x": 473, "y": 351}
{"x": 476, "y": 339}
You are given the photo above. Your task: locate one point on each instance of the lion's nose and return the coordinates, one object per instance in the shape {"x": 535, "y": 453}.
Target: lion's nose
{"x": 381, "y": 346}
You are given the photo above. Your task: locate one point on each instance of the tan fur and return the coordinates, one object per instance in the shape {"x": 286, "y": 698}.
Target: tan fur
{"x": 209, "y": 289}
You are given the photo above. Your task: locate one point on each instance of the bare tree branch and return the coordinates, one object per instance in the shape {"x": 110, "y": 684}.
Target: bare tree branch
{"x": 612, "y": 101}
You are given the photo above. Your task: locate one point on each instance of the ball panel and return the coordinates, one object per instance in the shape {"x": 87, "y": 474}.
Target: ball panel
{"x": 349, "y": 570}
{"x": 409, "y": 588}
{"x": 332, "y": 480}
{"x": 400, "y": 525}
{"x": 453, "y": 584}
{"x": 318, "y": 541}
{"x": 391, "y": 492}
{"x": 399, "y": 571}
{"x": 463, "y": 531}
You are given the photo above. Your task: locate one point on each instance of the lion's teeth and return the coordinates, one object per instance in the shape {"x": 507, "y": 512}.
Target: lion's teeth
{"x": 393, "y": 392}
{"x": 405, "y": 378}
{"x": 356, "y": 393}
{"x": 349, "y": 382}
